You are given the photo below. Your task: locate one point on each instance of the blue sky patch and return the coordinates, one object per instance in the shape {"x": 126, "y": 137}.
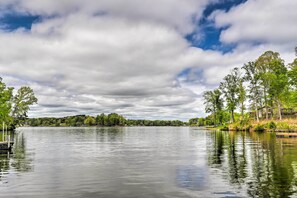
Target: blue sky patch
{"x": 208, "y": 36}
{"x": 13, "y": 21}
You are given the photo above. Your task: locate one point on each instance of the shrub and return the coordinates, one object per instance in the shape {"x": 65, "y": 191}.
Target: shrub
{"x": 271, "y": 125}
{"x": 259, "y": 128}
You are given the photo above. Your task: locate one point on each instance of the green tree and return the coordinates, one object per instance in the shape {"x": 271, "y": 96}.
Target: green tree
{"x": 5, "y": 103}
{"x": 21, "y": 104}
{"x": 100, "y": 119}
{"x": 254, "y": 92}
{"x": 279, "y": 83}
{"x": 263, "y": 65}
{"x": 242, "y": 98}
{"x": 90, "y": 121}
{"x": 213, "y": 103}
{"x": 231, "y": 88}
{"x": 292, "y": 74}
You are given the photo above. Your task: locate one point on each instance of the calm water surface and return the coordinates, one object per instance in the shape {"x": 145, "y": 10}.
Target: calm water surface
{"x": 147, "y": 162}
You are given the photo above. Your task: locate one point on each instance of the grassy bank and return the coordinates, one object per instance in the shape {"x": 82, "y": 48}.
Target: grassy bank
{"x": 287, "y": 125}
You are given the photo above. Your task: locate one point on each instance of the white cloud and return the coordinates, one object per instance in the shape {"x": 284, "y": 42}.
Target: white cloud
{"x": 124, "y": 60}
{"x": 271, "y": 21}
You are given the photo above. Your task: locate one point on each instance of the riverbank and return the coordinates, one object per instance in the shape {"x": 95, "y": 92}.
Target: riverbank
{"x": 284, "y": 126}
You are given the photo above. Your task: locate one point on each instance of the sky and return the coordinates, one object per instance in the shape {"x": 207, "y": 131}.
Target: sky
{"x": 148, "y": 59}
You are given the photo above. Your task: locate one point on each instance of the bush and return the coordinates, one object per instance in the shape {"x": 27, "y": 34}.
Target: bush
{"x": 259, "y": 128}
{"x": 223, "y": 128}
{"x": 271, "y": 125}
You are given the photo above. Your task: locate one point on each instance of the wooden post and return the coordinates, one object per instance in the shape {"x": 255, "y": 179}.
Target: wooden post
{"x": 3, "y": 131}
{"x": 8, "y": 142}
{"x": 6, "y": 132}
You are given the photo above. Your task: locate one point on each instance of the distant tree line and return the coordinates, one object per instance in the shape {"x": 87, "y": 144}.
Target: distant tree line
{"x": 107, "y": 120}
{"x": 266, "y": 87}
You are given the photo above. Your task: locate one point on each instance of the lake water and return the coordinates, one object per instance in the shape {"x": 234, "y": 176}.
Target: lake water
{"x": 147, "y": 162}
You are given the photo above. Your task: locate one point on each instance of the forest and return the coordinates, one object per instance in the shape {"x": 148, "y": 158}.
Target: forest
{"x": 262, "y": 91}
{"x": 107, "y": 120}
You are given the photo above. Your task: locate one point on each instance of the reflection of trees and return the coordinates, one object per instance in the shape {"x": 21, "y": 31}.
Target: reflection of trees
{"x": 112, "y": 134}
{"x": 4, "y": 159}
{"x": 237, "y": 158}
{"x": 4, "y": 163}
{"x": 217, "y": 151}
{"x": 266, "y": 172}
{"x": 21, "y": 161}
{"x": 274, "y": 176}
{"x": 18, "y": 159}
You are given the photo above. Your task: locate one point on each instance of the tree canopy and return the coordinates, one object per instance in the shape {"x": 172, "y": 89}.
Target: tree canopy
{"x": 14, "y": 108}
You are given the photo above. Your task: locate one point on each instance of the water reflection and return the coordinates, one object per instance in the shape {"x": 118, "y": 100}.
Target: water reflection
{"x": 259, "y": 163}
{"x": 147, "y": 162}
{"x": 15, "y": 160}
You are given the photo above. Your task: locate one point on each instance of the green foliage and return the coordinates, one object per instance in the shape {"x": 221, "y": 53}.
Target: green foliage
{"x": 231, "y": 90}
{"x": 5, "y": 103}
{"x": 293, "y": 74}
{"x": 214, "y": 104}
{"x": 13, "y": 109}
{"x": 259, "y": 128}
{"x": 271, "y": 125}
{"x": 21, "y": 104}
{"x": 268, "y": 84}
{"x": 90, "y": 121}
{"x": 109, "y": 120}
{"x": 193, "y": 122}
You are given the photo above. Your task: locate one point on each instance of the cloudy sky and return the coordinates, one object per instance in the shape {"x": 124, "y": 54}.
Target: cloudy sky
{"x": 141, "y": 58}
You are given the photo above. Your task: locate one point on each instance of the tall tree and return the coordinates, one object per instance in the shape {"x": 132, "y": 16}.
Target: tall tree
{"x": 254, "y": 91}
{"x": 5, "y": 103}
{"x": 21, "y": 104}
{"x": 279, "y": 83}
{"x": 214, "y": 103}
{"x": 292, "y": 74}
{"x": 231, "y": 88}
{"x": 241, "y": 98}
{"x": 263, "y": 65}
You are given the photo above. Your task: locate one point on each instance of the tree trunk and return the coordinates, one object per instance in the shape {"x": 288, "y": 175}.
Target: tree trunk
{"x": 242, "y": 110}
{"x": 232, "y": 116}
{"x": 279, "y": 110}
{"x": 257, "y": 114}
{"x": 266, "y": 105}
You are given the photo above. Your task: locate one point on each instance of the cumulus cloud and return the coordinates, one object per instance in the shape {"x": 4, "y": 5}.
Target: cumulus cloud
{"x": 88, "y": 57}
{"x": 259, "y": 21}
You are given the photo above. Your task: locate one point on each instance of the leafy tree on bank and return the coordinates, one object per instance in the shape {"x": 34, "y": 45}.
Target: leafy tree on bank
{"x": 291, "y": 99}
{"x": 13, "y": 109}
{"x": 5, "y": 103}
{"x": 265, "y": 72}
{"x": 242, "y": 98}
{"x": 21, "y": 104}
{"x": 251, "y": 76}
{"x": 279, "y": 83}
{"x": 214, "y": 104}
{"x": 231, "y": 89}
{"x": 269, "y": 85}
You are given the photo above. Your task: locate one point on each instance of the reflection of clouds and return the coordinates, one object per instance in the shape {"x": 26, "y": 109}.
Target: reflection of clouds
{"x": 191, "y": 177}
